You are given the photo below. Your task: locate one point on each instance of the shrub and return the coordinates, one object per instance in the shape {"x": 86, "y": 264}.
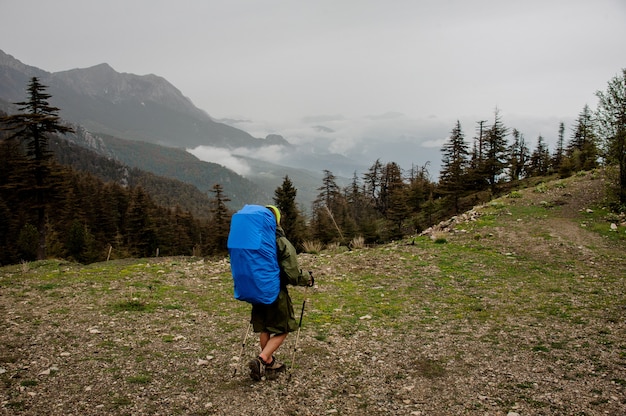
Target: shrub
{"x": 357, "y": 243}
{"x": 312, "y": 247}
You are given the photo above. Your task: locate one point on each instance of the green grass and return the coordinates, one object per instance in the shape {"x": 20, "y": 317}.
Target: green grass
{"x": 502, "y": 300}
{"x": 139, "y": 379}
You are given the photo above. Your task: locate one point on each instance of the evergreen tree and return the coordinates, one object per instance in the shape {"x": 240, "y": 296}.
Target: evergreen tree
{"x": 32, "y": 126}
{"x": 476, "y": 180}
{"x": 420, "y": 197}
{"x": 477, "y": 175}
{"x": 582, "y": 149}
{"x": 540, "y": 159}
{"x": 559, "y": 151}
{"x": 495, "y": 152}
{"x": 140, "y": 233}
{"x": 13, "y": 215}
{"x": 480, "y": 139}
{"x": 326, "y": 206}
{"x": 372, "y": 183}
{"x": 611, "y": 114}
{"x": 453, "y": 174}
{"x": 391, "y": 177}
{"x": 397, "y": 211}
{"x": 518, "y": 156}
{"x": 220, "y": 221}
{"x": 361, "y": 210}
{"x": 292, "y": 220}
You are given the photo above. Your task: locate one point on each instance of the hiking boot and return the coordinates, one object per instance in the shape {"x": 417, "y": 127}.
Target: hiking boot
{"x": 257, "y": 369}
{"x": 275, "y": 366}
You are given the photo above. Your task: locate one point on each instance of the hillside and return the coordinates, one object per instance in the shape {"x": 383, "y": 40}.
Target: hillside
{"x": 164, "y": 191}
{"x": 147, "y": 123}
{"x": 134, "y": 107}
{"x": 183, "y": 166}
{"x": 514, "y": 308}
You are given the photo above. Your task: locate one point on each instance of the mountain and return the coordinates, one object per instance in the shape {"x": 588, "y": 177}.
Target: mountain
{"x": 166, "y": 192}
{"x": 127, "y": 115}
{"x": 173, "y": 163}
{"x": 127, "y": 106}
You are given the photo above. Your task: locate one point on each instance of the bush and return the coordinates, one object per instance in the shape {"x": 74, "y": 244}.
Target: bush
{"x": 357, "y": 243}
{"x": 312, "y": 247}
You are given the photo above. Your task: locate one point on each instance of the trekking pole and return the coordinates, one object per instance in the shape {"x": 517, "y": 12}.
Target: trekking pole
{"x": 295, "y": 348}
{"x": 293, "y": 355}
{"x": 243, "y": 346}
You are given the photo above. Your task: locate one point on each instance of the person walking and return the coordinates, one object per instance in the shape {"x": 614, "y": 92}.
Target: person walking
{"x": 273, "y": 322}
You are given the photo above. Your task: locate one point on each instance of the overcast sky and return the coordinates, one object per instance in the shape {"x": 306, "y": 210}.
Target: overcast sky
{"x": 359, "y": 67}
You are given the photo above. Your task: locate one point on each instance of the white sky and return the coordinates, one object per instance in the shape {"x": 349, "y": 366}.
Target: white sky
{"x": 281, "y": 63}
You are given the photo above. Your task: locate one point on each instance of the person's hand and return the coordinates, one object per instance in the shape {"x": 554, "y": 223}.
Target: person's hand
{"x": 311, "y": 279}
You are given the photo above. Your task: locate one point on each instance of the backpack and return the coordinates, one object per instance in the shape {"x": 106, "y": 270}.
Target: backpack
{"x": 253, "y": 256}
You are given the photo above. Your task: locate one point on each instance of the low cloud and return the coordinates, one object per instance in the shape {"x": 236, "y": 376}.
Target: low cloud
{"x": 390, "y": 137}
{"x": 222, "y": 157}
{"x": 272, "y": 153}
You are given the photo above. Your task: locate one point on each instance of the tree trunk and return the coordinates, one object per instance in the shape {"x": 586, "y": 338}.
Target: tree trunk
{"x": 41, "y": 229}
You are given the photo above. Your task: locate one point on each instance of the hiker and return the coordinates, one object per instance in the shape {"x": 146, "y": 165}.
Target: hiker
{"x": 276, "y": 320}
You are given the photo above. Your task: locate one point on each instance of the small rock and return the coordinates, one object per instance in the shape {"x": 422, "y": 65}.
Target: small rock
{"x": 202, "y": 362}
{"x": 512, "y": 414}
{"x": 65, "y": 354}
{"x": 365, "y": 317}
{"x": 613, "y": 227}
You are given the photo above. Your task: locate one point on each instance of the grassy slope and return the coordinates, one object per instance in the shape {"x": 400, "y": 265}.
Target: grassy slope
{"x": 520, "y": 310}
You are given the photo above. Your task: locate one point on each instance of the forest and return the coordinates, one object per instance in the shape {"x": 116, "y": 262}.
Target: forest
{"x": 50, "y": 207}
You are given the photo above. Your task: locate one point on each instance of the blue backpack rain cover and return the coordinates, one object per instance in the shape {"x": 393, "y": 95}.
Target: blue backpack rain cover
{"x": 253, "y": 257}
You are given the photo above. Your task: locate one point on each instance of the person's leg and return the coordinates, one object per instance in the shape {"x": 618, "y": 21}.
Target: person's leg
{"x": 263, "y": 338}
{"x": 271, "y": 345}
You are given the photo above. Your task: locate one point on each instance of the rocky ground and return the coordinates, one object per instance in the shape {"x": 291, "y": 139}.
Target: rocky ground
{"x": 520, "y": 312}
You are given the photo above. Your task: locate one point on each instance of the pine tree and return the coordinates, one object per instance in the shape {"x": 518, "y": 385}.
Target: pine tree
{"x": 611, "y": 115}
{"x": 12, "y": 179}
{"x": 361, "y": 210}
{"x": 540, "y": 159}
{"x": 495, "y": 152}
{"x": 372, "y": 181}
{"x": 292, "y": 220}
{"x": 220, "y": 221}
{"x": 140, "y": 232}
{"x": 518, "y": 156}
{"x": 32, "y": 126}
{"x": 324, "y": 224}
{"x": 453, "y": 175}
{"x": 582, "y": 148}
{"x": 559, "y": 152}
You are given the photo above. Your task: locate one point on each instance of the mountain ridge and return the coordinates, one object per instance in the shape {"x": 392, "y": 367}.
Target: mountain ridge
{"x": 149, "y": 109}
{"x": 128, "y": 106}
